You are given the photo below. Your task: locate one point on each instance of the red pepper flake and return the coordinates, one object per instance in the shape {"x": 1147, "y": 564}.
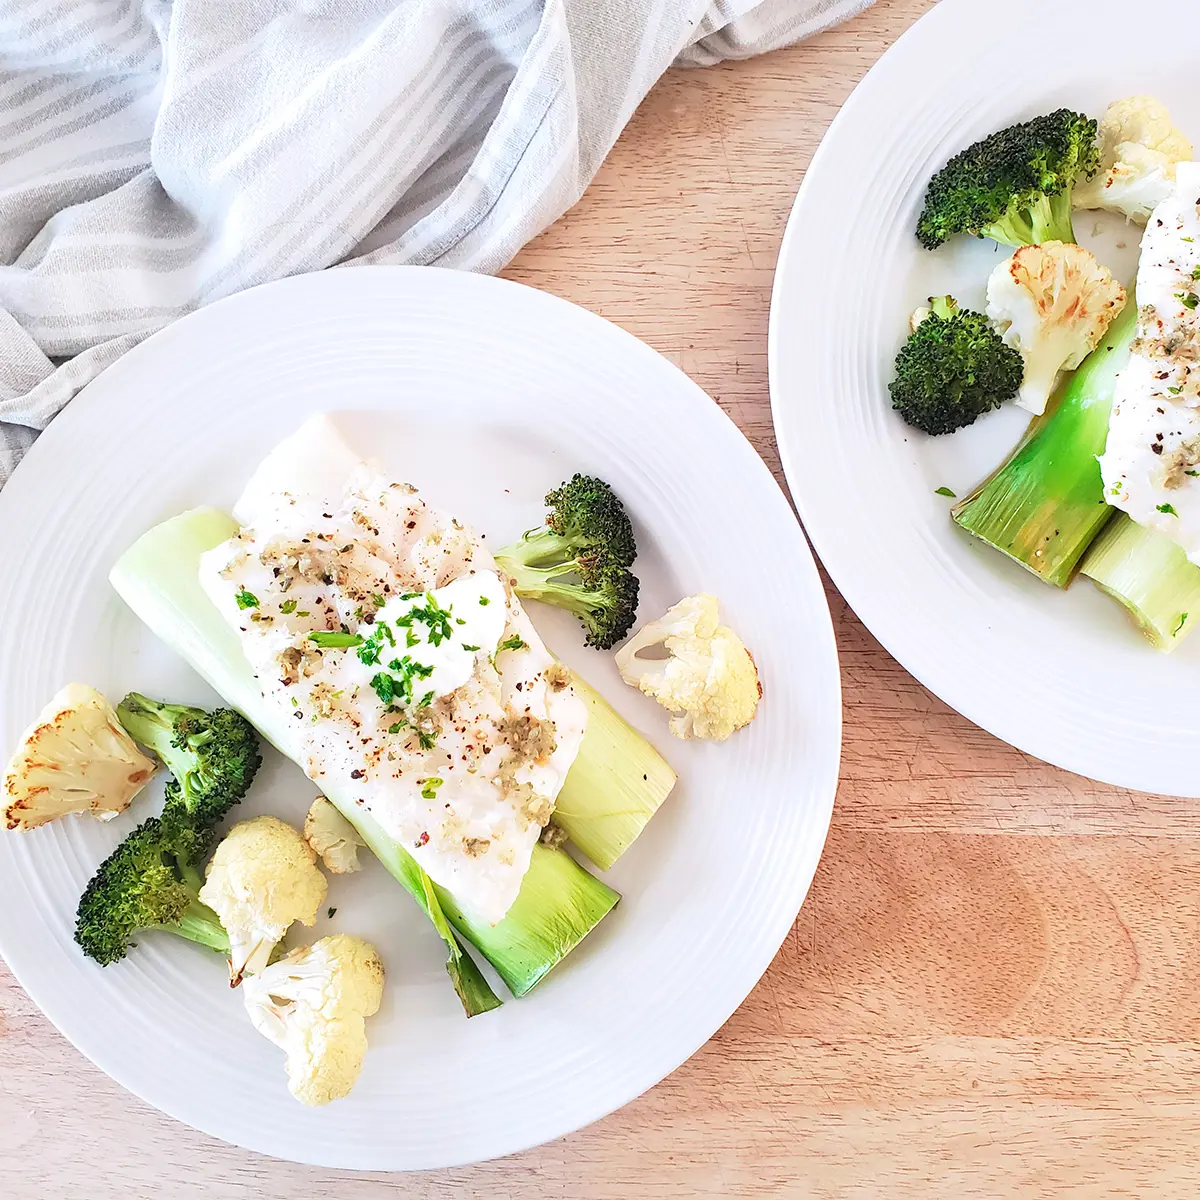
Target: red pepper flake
{"x": 423, "y": 839}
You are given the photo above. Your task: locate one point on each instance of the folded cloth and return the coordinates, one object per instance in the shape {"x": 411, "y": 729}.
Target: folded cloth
{"x": 156, "y": 155}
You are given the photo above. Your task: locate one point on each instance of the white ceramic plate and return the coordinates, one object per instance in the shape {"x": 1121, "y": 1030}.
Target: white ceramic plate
{"x": 1063, "y": 676}
{"x": 484, "y": 394}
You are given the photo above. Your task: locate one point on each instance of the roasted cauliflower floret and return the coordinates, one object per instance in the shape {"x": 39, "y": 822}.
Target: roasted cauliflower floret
{"x": 262, "y": 877}
{"x": 75, "y": 758}
{"x": 708, "y": 678}
{"x": 313, "y": 1004}
{"x": 332, "y": 837}
{"x": 1053, "y": 304}
{"x": 1139, "y": 148}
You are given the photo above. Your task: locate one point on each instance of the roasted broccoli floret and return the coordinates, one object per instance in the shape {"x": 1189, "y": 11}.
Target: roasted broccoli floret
{"x": 953, "y": 368}
{"x": 580, "y": 559}
{"x": 150, "y": 881}
{"x": 1015, "y": 186}
{"x": 213, "y": 755}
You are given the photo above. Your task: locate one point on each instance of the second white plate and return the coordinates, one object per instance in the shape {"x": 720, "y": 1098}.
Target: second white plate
{"x": 1063, "y": 676}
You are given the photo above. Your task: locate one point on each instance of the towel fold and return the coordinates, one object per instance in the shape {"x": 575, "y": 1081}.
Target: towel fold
{"x": 156, "y": 155}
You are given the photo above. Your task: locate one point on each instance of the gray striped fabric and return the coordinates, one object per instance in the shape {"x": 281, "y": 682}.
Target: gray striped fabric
{"x": 157, "y": 155}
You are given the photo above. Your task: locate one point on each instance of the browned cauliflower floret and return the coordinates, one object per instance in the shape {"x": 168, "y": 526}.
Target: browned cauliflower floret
{"x": 332, "y": 837}
{"x": 1139, "y": 150}
{"x": 1052, "y": 303}
{"x": 708, "y": 677}
{"x": 262, "y": 877}
{"x": 313, "y": 1004}
{"x": 76, "y": 757}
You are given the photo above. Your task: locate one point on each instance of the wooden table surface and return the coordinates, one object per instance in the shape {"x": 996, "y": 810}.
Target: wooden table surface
{"x": 992, "y": 989}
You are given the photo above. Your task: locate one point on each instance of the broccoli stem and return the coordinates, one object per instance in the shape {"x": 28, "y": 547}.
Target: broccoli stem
{"x": 1048, "y": 219}
{"x": 153, "y": 724}
{"x": 1150, "y": 575}
{"x": 200, "y": 924}
{"x": 1061, "y": 225}
{"x": 1045, "y": 504}
{"x": 543, "y": 547}
{"x": 547, "y": 584}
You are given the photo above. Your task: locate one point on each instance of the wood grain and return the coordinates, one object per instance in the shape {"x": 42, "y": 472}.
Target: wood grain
{"x": 956, "y": 1013}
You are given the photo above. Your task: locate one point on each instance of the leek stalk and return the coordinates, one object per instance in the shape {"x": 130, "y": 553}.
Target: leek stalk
{"x": 1044, "y": 506}
{"x": 1150, "y": 575}
{"x": 615, "y": 785}
{"x": 158, "y": 578}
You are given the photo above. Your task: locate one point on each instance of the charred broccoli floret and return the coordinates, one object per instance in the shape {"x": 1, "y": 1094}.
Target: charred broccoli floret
{"x": 580, "y": 559}
{"x": 214, "y": 755}
{"x": 150, "y": 881}
{"x": 1015, "y": 186}
{"x": 953, "y": 368}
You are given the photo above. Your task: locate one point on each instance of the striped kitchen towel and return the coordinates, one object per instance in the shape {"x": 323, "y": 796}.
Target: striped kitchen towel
{"x": 156, "y": 155}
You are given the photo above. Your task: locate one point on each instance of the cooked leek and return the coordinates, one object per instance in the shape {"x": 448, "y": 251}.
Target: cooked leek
{"x": 158, "y": 577}
{"x": 1044, "y": 506}
{"x": 558, "y": 898}
{"x": 615, "y": 785}
{"x": 1151, "y": 576}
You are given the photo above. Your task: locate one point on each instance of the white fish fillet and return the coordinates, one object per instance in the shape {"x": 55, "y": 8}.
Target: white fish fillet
{"x": 460, "y": 752}
{"x": 1151, "y": 462}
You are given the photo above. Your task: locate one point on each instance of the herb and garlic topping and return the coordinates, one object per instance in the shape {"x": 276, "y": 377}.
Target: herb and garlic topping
{"x": 409, "y": 667}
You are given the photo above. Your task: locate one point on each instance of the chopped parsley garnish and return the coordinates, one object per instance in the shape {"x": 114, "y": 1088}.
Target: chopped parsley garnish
{"x": 288, "y": 606}
{"x": 246, "y": 599}
{"x": 429, "y": 791}
{"x": 411, "y": 595}
{"x": 427, "y": 740}
{"x": 1195, "y": 275}
{"x": 436, "y": 619}
{"x": 944, "y": 491}
{"x": 471, "y": 649}
{"x": 484, "y": 601}
{"x": 513, "y": 643}
{"x": 368, "y": 652}
{"x": 399, "y": 725}
{"x": 1193, "y": 474}
{"x": 372, "y": 647}
{"x": 1175, "y": 390}
{"x": 304, "y": 613}
{"x": 426, "y": 700}
{"x": 399, "y": 687}
{"x": 1182, "y": 622}
{"x": 1169, "y": 509}
{"x": 329, "y": 639}
{"x": 385, "y": 686}
{"x": 1188, "y": 300}
{"x": 1116, "y": 487}
{"x": 378, "y": 600}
